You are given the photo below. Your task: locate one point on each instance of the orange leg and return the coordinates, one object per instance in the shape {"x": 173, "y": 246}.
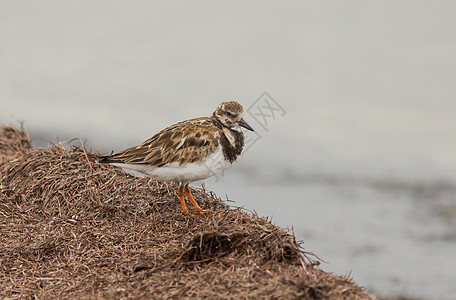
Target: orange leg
{"x": 182, "y": 200}
{"x": 189, "y": 195}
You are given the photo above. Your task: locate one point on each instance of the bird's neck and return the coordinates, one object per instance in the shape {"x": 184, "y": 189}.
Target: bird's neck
{"x": 232, "y": 143}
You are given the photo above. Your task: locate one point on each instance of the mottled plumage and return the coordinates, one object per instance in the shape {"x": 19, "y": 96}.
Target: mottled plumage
{"x": 190, "y": 150}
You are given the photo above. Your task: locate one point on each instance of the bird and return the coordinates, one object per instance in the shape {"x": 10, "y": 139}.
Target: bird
{"x": 188, "y": 151}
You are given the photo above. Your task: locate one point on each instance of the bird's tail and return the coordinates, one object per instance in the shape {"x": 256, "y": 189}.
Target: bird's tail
{"x": 107, "y": 159}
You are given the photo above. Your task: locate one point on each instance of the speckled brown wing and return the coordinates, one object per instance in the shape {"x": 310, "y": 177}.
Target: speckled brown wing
{"x": 182, "y": 143}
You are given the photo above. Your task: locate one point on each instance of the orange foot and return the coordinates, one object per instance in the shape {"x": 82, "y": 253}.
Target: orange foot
{"x": 185, "y": 189}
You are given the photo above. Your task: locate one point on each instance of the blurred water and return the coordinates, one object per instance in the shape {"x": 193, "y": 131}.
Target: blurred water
{"x": 362, "y": 161}
{"x": 394, "y": 237}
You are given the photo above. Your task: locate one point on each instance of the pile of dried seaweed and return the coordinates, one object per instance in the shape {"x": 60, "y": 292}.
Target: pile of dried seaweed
{"x": 71, "y": 228}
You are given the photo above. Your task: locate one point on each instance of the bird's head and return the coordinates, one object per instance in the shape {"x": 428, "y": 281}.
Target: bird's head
{"x": 230, "y": 114}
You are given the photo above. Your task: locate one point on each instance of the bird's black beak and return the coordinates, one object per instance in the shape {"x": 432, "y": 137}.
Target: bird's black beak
{"x": 244, "y": 124}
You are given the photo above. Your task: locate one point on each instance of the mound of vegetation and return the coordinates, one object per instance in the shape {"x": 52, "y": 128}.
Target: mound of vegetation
{"x": 72, "y": 228}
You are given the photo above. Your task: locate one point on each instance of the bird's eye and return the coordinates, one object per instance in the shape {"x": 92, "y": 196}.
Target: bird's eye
{"x": 229, "y": 114}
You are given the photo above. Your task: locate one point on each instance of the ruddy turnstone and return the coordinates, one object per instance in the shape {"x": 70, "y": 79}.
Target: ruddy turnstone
{"x": 188, "y": 151}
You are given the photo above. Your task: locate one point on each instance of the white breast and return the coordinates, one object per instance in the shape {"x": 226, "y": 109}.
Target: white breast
{"x": 209, "y": 166}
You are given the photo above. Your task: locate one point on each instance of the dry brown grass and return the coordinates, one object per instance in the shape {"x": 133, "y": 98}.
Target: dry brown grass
{"x": 71, "y": 228}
